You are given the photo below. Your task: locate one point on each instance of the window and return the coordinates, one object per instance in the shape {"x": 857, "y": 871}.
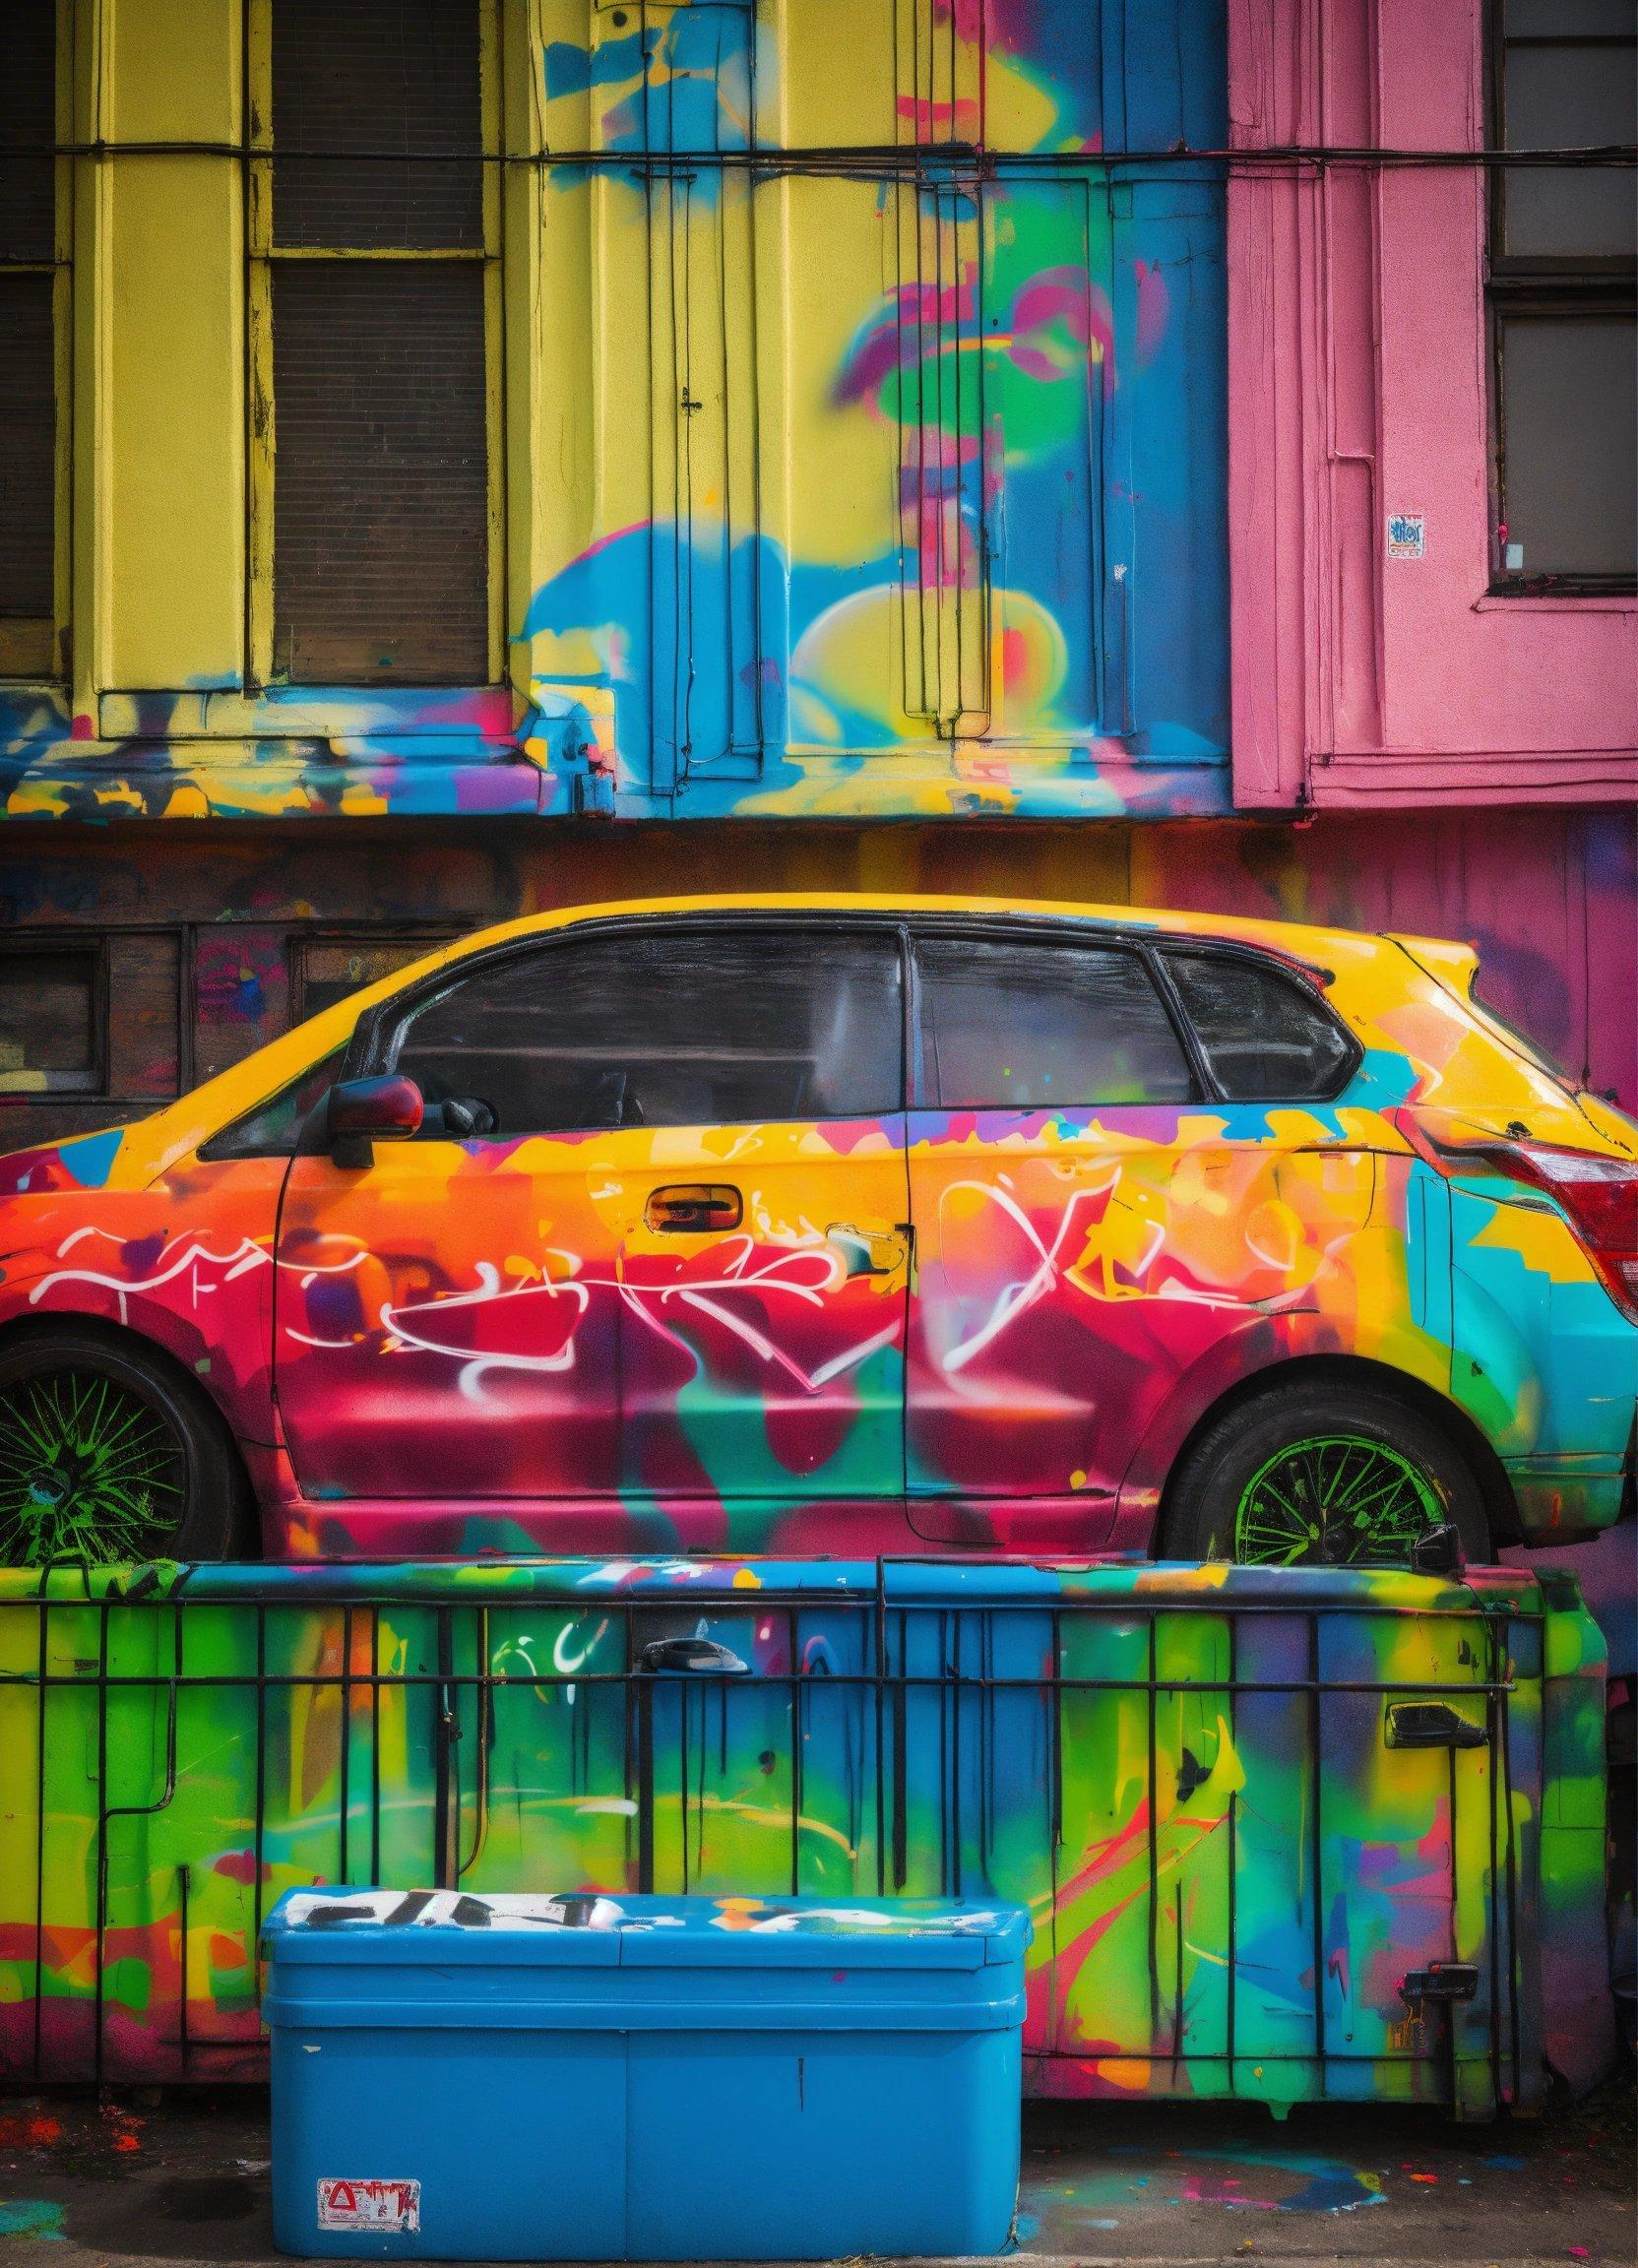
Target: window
{"x": 1563, "y": 266}
{"x": 375, "y": 303}
{"x": 329, "y": 968}
{"x": 33, "y": 319}
{"x": 1037, "y": 1025}
{"x": 272, "y": 1130}
{"x": 670, "y": 1027}
{"x": 51, "y": 1022}
{"x": 1263, "y": 1034}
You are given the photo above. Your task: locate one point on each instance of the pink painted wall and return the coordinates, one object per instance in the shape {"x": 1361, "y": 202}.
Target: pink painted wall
{"x": 1358, "y": 386}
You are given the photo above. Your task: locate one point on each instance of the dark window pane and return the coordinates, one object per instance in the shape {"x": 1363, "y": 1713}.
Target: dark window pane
{"x": 1569, "y": 19}
{"x": 48, "y": 1037}
{"x": 1565, "y": 98}
{"x": 1569, "y": 401}
{"x": 1031, "y": 1025}
{"x": 398, "y": 77}
{"x": 673, "y": 1029}
{"x": 271, "y": 1131}
{"x": 1265, "y": 1037}
{"x": 380, "y": 481}
{"x": 28, "y": 447}
{"x": 28, "y": 122}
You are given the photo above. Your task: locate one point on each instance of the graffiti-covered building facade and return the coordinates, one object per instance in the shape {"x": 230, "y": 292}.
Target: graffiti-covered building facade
{"x": 460, "y": 456}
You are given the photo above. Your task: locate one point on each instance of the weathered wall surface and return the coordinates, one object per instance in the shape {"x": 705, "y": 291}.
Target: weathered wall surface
{"x": 1361, "y": 385}
{"x": 859, "y": 433}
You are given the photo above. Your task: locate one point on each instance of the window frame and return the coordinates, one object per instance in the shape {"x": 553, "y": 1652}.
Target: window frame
{"x": 300, "y": 943}
{"x": 35, "y": 649}
{"x": 33, "y": 944}
{"x": 1152, "y": 947}
{"x": 1538, "y": 285}
{"x": 1047, "y": 931}
{"x": 367, "y": 1052}
{"x": 1311, "y": 982}
{"x": 262, "y": 253}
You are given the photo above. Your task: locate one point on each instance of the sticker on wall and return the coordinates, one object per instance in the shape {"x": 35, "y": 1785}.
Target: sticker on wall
{"x": 1407, "y": 534}
{"x": 373, "y": 2204}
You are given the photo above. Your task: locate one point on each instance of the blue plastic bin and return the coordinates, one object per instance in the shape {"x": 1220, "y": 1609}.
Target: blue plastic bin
{"x": 592, "y": 2078}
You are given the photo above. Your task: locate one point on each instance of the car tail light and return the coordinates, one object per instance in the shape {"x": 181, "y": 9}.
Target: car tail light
{"x": 1598, "y": 1193}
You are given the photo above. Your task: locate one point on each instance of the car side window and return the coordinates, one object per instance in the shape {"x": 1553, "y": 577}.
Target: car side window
{"x": 1265, "y": 1037}
{"x": 1042, "y": 1024}
{"x": 665, "y": 1027}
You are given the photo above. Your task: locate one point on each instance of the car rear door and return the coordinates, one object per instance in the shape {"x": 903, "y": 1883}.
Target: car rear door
{"x": 1047, "y": 1085}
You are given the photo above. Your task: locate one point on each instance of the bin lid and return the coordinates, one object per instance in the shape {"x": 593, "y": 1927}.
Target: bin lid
{"x": 600, "y": 1929}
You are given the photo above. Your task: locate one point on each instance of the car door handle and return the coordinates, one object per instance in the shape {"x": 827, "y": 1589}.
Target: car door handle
{"x": 694, "y": 1208}
{"x": 869, "y": 1251}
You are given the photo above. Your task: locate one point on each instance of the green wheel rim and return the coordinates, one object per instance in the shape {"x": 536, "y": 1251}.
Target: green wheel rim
{"x": 89, "y": 1470}
{"x": 1334, "y": 1500}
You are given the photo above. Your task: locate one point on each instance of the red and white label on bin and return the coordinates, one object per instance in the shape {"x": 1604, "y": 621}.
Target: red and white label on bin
{"x": 353, "y": 2204}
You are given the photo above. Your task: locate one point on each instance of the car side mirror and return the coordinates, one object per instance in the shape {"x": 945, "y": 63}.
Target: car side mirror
{"x": 363, "y": 1112}
{"x": 1438, "y": 1551}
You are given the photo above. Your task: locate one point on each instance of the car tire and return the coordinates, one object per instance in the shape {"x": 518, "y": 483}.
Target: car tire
{"x": 1325, "y": 1474}
{"x": 111, "y": 1453}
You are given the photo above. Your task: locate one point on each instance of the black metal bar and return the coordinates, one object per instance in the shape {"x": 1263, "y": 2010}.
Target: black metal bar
{"x": 1475, "y": 1690}
{"x": 444, "y": 1729}
{"x": 1317, "y": 1844}
{"x": 1153, "y": 1830}
{"x": 259, "y": 1830}
{"x": 39, "y": 1837}
{"x": 1233, "y": 1980}
{"x": 344, "y": 1795}
{"x": 375, "y": 1743}
{"x": 793, "y": 1705}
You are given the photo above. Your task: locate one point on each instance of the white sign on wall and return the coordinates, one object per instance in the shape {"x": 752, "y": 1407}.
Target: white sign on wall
{"x": 1407, "y": 534}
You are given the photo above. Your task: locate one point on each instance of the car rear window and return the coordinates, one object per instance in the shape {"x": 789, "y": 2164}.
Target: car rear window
{"x": 1034, "y": 1023}
{"x": 1265, "y": 1037}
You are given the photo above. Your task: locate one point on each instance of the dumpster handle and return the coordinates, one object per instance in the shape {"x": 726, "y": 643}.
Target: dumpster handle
{"x": 703, "y": 1656}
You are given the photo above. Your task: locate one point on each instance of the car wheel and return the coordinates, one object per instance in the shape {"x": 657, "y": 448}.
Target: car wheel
{"x": 1328, "y": 1476}
{"x": 108, "y": 1454}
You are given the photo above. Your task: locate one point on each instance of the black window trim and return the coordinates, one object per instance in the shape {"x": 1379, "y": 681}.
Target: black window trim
{"x": 1152, "y": 947}
{"x": 1517, "y": 284}
{"x": 365, "y": 1049}
{"x": 1059, "y": 928}
{"x": 1295, "y": 973}
{"x": 367, "y": 1053}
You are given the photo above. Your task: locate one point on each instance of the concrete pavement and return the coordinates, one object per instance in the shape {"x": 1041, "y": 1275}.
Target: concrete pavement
{"x": 182, "y": 2178}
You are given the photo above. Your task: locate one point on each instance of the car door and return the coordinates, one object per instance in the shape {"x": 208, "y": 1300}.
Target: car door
{"x": 755, "y": 1192}
{"x": 447, "y": 1316}
{"x": 1048, "y": 1082}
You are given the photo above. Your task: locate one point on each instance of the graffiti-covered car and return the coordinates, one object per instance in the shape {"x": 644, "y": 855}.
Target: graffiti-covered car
{"x": 807, "y": 1224}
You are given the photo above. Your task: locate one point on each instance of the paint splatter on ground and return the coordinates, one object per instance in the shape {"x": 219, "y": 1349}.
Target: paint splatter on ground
{"x": 185, "y": 2177}
{"x": 32, "y": 2217}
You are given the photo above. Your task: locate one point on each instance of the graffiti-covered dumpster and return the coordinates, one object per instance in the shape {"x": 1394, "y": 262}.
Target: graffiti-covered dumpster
{"x": 1297, "y": 1835}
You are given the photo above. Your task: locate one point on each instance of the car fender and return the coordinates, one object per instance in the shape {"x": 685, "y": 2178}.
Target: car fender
{"x": 196, "y": 1282}
{"x": 1258, "y": 1347}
